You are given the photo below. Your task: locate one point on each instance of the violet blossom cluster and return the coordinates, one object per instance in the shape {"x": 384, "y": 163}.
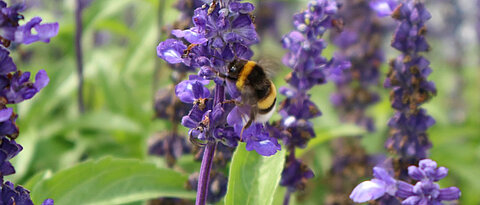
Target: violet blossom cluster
{"x": 15, "y": 87}
{"x": 407, "y": 77}
{"x": 171, "y": 144}
{"x": 425, "y": 190}
{"x": 309, "y": 68}
{"x": 222, "y": 32}
{"x": 360, "y": 41}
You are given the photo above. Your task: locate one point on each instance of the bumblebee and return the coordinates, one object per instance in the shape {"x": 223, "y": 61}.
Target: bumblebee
{"x": 256, "y": 89}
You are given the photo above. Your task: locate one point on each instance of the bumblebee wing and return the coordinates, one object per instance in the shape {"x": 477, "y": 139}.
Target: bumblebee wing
{"x": 248, "y": 95}
{"x": 271, "y": 66}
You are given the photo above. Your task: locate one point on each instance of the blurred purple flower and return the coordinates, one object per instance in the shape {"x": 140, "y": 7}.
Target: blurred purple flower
{"x": 383, "y": 7}
{"x": 295, "y": 174}
{"x": 425, "y": 191}
{"x": 309, "y": 68}
{"x": 43, "y": 32}
{"x": 407, "y": 78}
{"x": 360, "y": 42}
{"x": 168, "y": 145}
{"x": 15, "y": 195}
{"x": 216, "y": 189}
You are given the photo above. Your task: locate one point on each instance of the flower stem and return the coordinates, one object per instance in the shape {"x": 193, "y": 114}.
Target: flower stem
{"x": 204, "y": 178}
{"x": 78, "y": 53}
{"x": 286, "y": 199}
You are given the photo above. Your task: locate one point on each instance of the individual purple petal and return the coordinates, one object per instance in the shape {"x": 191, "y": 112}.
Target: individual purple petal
{"x": 240, "y": 7}
{"x": 48, "y": 202}
{"x": 171, "y": 50}
{"x": 412, "y": 200}
{"x": 382, "y": 174}
{"x": 188, "y": 91}
{"x": 404, "y": 190}
{"x": 191, "y": 35}
{"x": 43, "y": 31}
{"x": 6, "y": 63}
{"x": 368, "y": 190}
{"x": 5, "y": 114}
{"x": 41, "y": 80}
{"x": 259, "y": 140}
{"x": 383, "y": 7}
{"x": 449, "y": 194}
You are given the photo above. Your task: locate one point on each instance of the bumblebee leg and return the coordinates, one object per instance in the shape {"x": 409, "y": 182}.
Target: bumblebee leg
{"x": 249, "y": 122}
{"x": 238, "y": 103}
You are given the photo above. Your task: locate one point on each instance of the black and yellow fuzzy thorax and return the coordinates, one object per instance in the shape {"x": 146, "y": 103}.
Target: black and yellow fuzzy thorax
{"x": 252, "y": 82}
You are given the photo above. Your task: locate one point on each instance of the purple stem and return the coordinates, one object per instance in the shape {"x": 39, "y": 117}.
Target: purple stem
{"x": 286, "y": 199}
{"x": 204, "y": 177}
{"x": 78, "y": 53}
{"x": 288, "y": 193}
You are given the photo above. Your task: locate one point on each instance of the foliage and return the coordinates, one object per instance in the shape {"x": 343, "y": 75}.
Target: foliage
{"x": 119, "y": 119}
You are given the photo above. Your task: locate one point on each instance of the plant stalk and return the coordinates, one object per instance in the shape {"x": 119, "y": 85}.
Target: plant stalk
{"x": 204, "y": 177}
{"x": 286, "y": 199}
{"x": 79, "y": 54}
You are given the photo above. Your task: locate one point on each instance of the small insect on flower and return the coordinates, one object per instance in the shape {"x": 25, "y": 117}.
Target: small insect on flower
{"x": 256, "y": 90}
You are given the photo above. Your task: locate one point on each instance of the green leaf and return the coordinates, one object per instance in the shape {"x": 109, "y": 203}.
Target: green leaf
{"x": 253, "y": 179}
{"x": 111, "y": 181}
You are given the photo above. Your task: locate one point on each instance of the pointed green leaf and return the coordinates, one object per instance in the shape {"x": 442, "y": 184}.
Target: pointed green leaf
{"x": 253, "y": 178}
{"x": 111, "y": 181}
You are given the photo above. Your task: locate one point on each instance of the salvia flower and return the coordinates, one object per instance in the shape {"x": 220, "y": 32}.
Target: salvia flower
{"x": 15, "y": 87}
{"x": 309, "y": 68}
{"x": 425, "y": 191}
{"x": 360, "y": 42}
{"x": 407, "y": 79}
{"x": 222, "y": 32}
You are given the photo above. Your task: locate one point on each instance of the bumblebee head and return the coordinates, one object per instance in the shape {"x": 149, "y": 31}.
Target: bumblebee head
{"x": 235, "y": 67}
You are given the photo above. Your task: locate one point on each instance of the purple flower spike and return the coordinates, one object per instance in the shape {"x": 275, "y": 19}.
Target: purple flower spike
{"x": 304, "y": 46}
{"x": 15, "y": 87}
{"x": 410, "y": 88}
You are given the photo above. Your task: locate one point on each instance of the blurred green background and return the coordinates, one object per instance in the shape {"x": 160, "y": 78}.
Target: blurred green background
{"x": 119, "y": 39}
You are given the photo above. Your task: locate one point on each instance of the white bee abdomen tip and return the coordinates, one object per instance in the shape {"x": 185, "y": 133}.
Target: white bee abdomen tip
{"x": 262, "y": 118}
